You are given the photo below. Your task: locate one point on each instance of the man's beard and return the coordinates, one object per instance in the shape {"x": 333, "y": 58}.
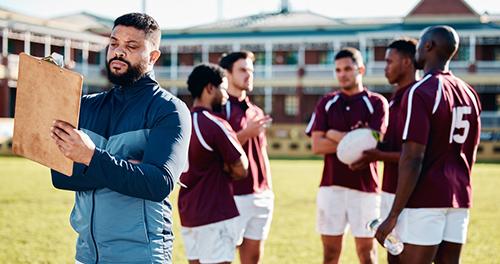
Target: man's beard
{"x": 128, "y": 78}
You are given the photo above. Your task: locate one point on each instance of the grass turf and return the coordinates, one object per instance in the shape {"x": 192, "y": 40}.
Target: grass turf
{"x": 34, "y": 225}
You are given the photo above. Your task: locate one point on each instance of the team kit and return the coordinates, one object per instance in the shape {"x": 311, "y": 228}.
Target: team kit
{"x": 137, "y": 141}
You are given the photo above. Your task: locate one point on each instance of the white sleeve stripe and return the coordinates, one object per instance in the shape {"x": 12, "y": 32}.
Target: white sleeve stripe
{"x": 439, "y": 92}
{"x": 228, "y": 110}
{"x": 471, "y": 95}
{"x": 368, "y": 104}
{"x": 410, "y": 101}
{"x": 198, "y": 133}
{"x": 311, "y": 122}
{"x": 332, "y": 101}
{"x": 236, "y": 144}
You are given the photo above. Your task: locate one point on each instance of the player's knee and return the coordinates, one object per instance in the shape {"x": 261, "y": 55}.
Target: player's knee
{"x": 365, "y": 248}
{"x": 331, "y": 253}
{"x": 368, "y": 257}
{"x": 446, "y": 259}
{"x": 366, "y": 253}
{"x": 251, "y": 255}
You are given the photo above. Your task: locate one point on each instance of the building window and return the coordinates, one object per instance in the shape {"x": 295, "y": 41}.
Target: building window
{"x": 462, "y": 54}
{"x": 94, "y": 57}
{"x": 259, "y": 100}
{"x": 37, "y": 49}
{"x": 352, "y": 44}
{"x": 487, "y": 52}
{"x": 214, "y": 57}
{"x": 379, "y": 53}
{"x": 189, "y": 59}
{"x": 285, "y": 57}
{"x": 15, "y": 46}
{"x": 322, "y": 57}
{"x": 291, "y": 105}
{"x": 57, "y": 49}
{"x": 260, "y": 58}
{"x": 497, "y": 105}
{"x": 488, "y": 49}
{"x": 77, "y": 55}
{"x": 258, "y": 51}
{"x": 164, "y": 60}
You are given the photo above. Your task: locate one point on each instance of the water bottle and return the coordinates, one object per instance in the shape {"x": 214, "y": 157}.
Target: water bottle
{"x": 392, "y": 243}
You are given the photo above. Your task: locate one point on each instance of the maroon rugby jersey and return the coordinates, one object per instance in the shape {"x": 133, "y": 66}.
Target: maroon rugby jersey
{"x": 259, "y": 173}
{"x": 442, "y": 112}
{"x": 392, "y": 140}
{"x": 207, "y": 196}
{"x": 340, "y": 112}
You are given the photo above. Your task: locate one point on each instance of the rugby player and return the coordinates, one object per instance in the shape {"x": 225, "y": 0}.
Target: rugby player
{"x": 440, "y": 139}
{"x": 207, "y": 209}
{"x": 253, "y": 195}
{"x": 347, "y": 197}
{"x": 400, "y": 71}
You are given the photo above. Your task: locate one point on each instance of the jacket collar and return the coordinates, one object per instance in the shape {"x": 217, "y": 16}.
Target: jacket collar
{"x": 146, "y": 81}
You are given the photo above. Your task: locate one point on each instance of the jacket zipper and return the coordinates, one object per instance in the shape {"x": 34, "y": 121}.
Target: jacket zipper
{"x": 92, "y": 228}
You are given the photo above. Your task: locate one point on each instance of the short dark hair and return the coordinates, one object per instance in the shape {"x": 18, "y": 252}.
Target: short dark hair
{"x": 139, "y": 21}
{"x": 405, "y": 46}
{"x": 203, "y": 74}
{"x": 352, "y": 53}
{"x": 227, "y": 61}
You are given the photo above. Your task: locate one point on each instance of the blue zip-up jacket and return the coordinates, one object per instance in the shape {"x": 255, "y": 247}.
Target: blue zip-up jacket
{"x": 121, "y": 212}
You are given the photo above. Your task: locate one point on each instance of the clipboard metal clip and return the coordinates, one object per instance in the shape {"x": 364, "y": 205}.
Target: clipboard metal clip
{"x": 55, "y": 58}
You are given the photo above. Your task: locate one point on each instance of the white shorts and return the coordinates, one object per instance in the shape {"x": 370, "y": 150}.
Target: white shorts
{"x": 339, "y": 207}
{"x": 431, "y": 226}
{"x": 212, "y": 243}
{"x": 256, "y": 214}
{"x": 387, "y": 199}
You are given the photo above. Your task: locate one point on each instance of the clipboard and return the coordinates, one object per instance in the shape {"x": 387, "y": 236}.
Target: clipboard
{"x": 45, "y": 92}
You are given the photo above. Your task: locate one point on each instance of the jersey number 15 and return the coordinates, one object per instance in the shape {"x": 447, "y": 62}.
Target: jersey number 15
{"x": 458, "y": 122}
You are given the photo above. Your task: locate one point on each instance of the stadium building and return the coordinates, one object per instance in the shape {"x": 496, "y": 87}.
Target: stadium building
{"x": 294, "y": 57}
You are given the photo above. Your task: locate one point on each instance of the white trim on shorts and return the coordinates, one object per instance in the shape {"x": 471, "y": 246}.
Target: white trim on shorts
{"x": 339, "y": 208}
{"x": 431, "y": 226}
{"x": 211, "y": 243}
{"x": 256, "y": 214}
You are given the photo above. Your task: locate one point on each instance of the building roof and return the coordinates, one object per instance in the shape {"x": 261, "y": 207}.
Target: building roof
{"x": 278, "y": 23}
{"x": 456, "y": 13}
{"x": 57, "y": 28}
{"x": 262, "y": 21}
{"x": 8, "y": 15}
{"x": 442, "y": 8}
{"x": 88, "y": 22}
{"x": 442, "y": 11}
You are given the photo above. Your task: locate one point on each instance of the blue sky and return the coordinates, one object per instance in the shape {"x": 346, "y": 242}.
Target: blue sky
{"x": 177, "y": 14}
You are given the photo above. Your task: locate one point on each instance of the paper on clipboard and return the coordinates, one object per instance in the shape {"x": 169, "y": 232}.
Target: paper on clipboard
{"x": 45, "y": 92}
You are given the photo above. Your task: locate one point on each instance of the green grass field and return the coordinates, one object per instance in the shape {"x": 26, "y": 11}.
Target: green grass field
{"x": 34, "y": 226}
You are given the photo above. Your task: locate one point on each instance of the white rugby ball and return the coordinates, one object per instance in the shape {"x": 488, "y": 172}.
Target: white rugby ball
{"x": 350, "y": 148}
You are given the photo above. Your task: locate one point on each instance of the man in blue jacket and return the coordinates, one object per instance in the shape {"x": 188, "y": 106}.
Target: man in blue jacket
{"x": 129, "y": 150}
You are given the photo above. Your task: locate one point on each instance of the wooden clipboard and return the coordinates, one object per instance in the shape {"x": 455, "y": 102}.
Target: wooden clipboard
{"x": 45, "y": 92}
